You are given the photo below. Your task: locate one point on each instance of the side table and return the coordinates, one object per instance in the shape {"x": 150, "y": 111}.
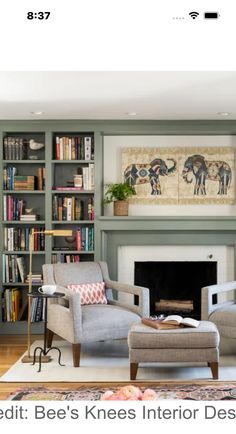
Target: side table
{"x": 43, "y": 351}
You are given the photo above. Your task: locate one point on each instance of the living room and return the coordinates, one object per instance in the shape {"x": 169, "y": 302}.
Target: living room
{"x": 156, "y": 132}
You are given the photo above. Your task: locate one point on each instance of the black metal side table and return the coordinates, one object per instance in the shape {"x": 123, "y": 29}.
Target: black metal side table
{"x": 43, "y": 351}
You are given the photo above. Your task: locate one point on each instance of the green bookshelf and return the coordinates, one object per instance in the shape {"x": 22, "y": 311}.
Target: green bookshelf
{"x": 57, "y": 173}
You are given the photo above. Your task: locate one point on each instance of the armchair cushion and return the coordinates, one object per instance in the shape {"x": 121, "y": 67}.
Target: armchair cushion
{"x": 90, "y": 293}
{"x": 105, "y": 322}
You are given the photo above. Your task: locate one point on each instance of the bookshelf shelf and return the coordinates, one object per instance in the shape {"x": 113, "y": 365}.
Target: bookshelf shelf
{"x": 72, "y": 192}
{"x": 23, "y": 252}
{"x": 19, "y": 222}
{"x": 73, "y": 252}
{"x": 23, "y": 192}
{"x": 21, "y": 169}
{"x": 72, "y": 161}
{"x": 23, "y": 161}
{"x": 21, "y": 284}
{"x": 73, "y": 222}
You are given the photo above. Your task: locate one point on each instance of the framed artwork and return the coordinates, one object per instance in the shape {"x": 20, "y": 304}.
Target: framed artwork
{"x": 180, "y": 175}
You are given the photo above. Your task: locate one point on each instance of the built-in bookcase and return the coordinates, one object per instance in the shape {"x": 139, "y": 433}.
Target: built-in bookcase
{"x": 42, "y": 183}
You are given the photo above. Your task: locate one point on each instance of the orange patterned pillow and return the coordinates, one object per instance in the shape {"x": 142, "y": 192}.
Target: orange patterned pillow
{"x": 90, "y": 293}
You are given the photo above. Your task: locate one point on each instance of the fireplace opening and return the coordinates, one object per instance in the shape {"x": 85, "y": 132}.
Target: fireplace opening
{"x": 175, "y": 287}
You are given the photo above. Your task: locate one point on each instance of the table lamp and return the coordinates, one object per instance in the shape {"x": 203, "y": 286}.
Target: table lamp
{"x": 54, "y": 233}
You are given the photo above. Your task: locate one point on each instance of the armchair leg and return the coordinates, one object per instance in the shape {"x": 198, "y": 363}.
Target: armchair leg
{"x": 133, "y": 370}
{"x": 50, "y": 335}
{"x": 214, "y": 370}
{"x": 76, "y": 354}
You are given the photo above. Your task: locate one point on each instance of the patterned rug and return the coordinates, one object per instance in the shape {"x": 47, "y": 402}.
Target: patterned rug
{"x": 194, "y": 392}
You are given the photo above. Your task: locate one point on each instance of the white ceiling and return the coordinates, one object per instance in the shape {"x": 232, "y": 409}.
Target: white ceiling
{"x": 112, "y": 95}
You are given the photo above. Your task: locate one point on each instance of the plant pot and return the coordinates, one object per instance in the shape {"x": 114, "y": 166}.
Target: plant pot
{"x": 121, "y": 207}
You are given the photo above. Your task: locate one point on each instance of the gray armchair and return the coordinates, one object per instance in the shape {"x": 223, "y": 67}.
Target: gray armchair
{"x": 89, "y": 323}
{"x": 222, "y": 313}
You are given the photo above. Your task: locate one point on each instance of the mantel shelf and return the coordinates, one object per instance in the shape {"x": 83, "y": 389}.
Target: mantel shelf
{"x": 167, "y": 223}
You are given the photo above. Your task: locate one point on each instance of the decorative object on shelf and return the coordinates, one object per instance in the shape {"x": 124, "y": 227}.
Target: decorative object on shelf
{"x": 119, "y": 194}
{"x": 35, "y": 146}
{"x": 55, "y": 233}
{"x": 180, "y": 175}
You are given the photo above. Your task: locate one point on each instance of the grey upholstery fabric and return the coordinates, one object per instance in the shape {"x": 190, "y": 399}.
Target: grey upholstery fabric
{"x": 222, "y": 314}
{"x": 204, "y": 336}
{"x": 175, "y": 345}
{"x": 78, "y": 324}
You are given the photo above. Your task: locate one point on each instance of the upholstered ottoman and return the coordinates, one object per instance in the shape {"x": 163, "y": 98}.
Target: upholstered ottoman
{"x": 200, "y": 344}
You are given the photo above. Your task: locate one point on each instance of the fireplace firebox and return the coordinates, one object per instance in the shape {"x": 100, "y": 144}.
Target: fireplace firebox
{"x": 175, "y": 286}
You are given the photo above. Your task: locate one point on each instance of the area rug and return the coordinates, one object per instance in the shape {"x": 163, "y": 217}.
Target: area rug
{"x": 194, "y": 392}
{"x": 109, "y": 362}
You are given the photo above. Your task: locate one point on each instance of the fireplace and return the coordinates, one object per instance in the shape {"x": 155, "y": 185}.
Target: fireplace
{"x": 175, "y": 286}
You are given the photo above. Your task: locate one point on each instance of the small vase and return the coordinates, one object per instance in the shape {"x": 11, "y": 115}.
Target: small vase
{"x": 121, "y": 208}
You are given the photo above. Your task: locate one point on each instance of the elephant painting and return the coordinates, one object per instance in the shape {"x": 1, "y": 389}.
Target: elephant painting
{"x": 204, "y": 170}
{"x": 137, "y": 173}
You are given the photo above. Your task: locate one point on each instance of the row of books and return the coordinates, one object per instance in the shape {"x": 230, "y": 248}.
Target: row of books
{"x": 37, "y": 309}
{"x": 85, "y": 239}
{"x": 13, "y": 208}
{"x": 70, "y": 208}
{"x": 12, "y": 305}
{"x": 12, "y": 181}
{"x": 64, "y": 258}
{"x": 13, "y": 268}
{"x": 88, "y": 177}
{"x": 74, "y": 148}
{"x": 15, "y": 148}
{"x": 18, "y": 239}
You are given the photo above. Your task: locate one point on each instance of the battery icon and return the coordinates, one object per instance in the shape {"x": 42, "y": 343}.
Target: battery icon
{"x": 211, "y": 15}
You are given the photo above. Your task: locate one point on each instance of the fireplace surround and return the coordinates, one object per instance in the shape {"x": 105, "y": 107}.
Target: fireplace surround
{"x": 114, "y": 233}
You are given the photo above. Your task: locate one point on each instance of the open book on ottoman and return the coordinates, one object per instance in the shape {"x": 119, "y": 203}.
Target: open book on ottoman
{"x": 170, "y": 322}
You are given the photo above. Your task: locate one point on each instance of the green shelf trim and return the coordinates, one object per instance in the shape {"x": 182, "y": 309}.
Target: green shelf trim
{"x": 72, "y": 161}
{"x": 71, "y": 222}
{"x": 23, "y": 252}
{"x": 23, "y": 161}
{"x": 20, "y": 284}
{"x": 16, "y": 222}
{"x": 23, "y": 192}
{"x": 73, "y": 252}
{"x": 72, "y": 192}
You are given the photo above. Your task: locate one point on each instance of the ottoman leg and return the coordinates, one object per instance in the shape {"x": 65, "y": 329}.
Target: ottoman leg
{"x": 133, "y": 370}
{"x": 214, "y": 370}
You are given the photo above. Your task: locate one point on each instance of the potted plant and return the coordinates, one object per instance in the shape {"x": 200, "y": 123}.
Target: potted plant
{"x": 119, "y": 194}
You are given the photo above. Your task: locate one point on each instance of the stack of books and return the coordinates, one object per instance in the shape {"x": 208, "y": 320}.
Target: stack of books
{"x": 36, "y": 279}
{"x": 28, "y": 217}
{"x": 24, "y": 182}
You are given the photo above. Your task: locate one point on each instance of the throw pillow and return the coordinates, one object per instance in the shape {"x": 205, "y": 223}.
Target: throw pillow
{"x": 90, "y": 293}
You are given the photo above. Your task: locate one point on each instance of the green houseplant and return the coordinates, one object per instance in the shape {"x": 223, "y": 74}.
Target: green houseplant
{"x": 119, "y": 194}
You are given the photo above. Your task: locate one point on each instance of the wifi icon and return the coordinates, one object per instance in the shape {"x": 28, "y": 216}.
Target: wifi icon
{"x": 193, "y": 15}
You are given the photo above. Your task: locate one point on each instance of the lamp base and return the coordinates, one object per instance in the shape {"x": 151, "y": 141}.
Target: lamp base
{"x": 30, "y": 359}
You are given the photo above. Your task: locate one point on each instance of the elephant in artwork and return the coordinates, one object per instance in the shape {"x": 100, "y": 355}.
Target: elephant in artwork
{"x": 207, "y": 170}
{"x": 138, "y": 173}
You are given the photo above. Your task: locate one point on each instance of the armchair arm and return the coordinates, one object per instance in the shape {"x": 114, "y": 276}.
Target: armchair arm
{"x": 207, "y": 306}
{"x": 65, "y": 319}
{"x": 143, "y": 293}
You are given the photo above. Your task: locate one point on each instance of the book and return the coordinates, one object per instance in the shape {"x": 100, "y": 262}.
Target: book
{"x": 159, "y": 324}
{"x": 179, "y": 320}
